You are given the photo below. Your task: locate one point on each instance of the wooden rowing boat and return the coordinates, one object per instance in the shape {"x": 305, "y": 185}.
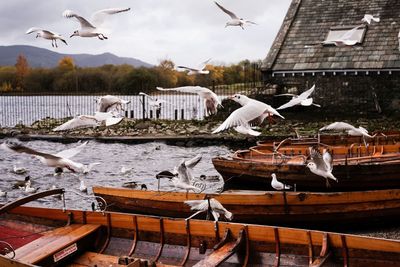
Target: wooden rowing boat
{"x": 357, "y": 167}
{"x": 273, "y": 207}
{"x": 55, "y": 237}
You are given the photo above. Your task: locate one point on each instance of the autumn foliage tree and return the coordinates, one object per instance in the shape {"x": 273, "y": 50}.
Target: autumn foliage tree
{"x": 66, "y": 64}
{"x": 22, "y": 70}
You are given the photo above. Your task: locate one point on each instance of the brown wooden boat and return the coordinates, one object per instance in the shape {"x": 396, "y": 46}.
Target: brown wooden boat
{"x": 273, "y": 207}
{"x": 357, "y": 167}
{"x": 33, "y": 236}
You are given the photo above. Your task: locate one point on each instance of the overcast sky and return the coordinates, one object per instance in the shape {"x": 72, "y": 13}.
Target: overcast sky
{"x": 185, "y": 31}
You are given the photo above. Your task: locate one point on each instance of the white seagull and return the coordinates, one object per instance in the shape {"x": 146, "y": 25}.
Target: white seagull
{"x": 154, "y": 102}
{"x": 235, "y": 20}
{"x": 369, "y": 18}
{"x": 251, "y": 112}
{"x": 346, "y": 39}
{"x": 200, "y": 70}
{"x": 214, "y": 205}
{"x": 321, "y": 165}
{"x": 350, "y": 129}
{"x": 82, "y": 186}
{"x": 86, "y": 121}
{"x": 211, "y": 100}
{"x": 3, "y": 193}
{"x": 92, "y": 30}
{"x": 184, "y": 174}
{"x": 59, "y": 160}
{"x": 302, "y": 99}
{"x": 28, "y": 188}
{"x": 110, "y": 103}
{"x": 278, "y": 185}
{"x": 46, "y": 34}
{"x": 125, "y": 170}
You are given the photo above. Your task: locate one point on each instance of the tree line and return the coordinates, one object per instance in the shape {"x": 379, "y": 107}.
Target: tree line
{"x": 123, "y": 79}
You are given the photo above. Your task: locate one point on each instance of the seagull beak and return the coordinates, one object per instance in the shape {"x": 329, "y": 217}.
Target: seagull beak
{"x": 72, "y": 35}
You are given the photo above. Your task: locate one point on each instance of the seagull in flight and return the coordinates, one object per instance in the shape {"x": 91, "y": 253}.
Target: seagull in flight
{"x": 110, "y": 103}
{"x": 154, "y": 102}
{"x": 347, "y": 39}
{"x": 92, "y": 30}
{"x": 235, "y": 20}
{"x": 302, "y": 99}
{"x": 48, "y": 35}
{"x": 211, "y": 100}
{"x": 211, "y": 204}
{"x": 369, "y": 18}
{"x": 278, "y": 185}
{"x": 184, "y": 176}
{"x": 321, "y": 165}
{"x": 200, "y": 70}
{"x": 350, "y": 129}
{"x": 58, "y": 160}
{"x": 86, "y": 121}
{"x": 251, "y": 112}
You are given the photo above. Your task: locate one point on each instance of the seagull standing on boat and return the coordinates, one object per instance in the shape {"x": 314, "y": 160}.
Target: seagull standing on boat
{"x": 200, "y": 70}
{"x": 369, "y": 18}
{"x": 110, "y": 103}
{"x": 211, "y": 100}
{"x": 251, "y": 112}
{"x": 278, "y": 185}
{"x": 211, "y": 204}
{"x": 302, "y": 99}
{"x": 321, "y": 165}
{"x": 235, "y": 20}
{"x": 48, "y": 35}
{"x": 59, "y": 160}
{"x": 92, "y": 30}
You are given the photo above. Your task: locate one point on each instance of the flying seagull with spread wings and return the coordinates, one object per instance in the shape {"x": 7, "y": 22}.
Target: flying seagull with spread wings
{"x": 58, "y": 160}
{"x": 369, "y": 18}
{"x": 211, "y": 100}
{"x": 87, "y": 121}
{"x": 109, "y": 103}
{"x": 251, "y": 112}
{"x": 92, "y": 30}
{"x": 48, "y": 35}
{"x": 199, "y": 70}
{"x": 302, "y": 99}
{"x": 235, "y": 20}
{"x": 321, "y": 165}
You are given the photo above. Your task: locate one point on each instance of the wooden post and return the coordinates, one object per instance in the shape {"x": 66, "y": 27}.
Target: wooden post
{"x": 176, "y": 114}
{"x": 132, "y": 114}
{"x": 143, "y": 108}
{"x": 126, "y": 113}
{"x": 182, "y": 114}
{"x": 151, "y": 114}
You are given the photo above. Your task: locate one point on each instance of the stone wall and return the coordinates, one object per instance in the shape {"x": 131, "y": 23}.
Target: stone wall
{"x": 341, "y": 96}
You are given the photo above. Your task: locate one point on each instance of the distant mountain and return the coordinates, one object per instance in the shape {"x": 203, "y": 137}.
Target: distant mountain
{"x": 40, "y": 57}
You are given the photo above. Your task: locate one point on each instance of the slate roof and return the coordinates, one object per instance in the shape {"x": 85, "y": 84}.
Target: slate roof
{"x": 309, "y": 21}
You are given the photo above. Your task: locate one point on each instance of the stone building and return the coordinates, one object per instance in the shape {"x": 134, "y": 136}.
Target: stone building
{"x": 363, "y": 79}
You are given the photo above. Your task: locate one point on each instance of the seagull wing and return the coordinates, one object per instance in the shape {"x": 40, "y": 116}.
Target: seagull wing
{"x": 99, "y": 16}
{"x": 183, "y": 174}
{"x": 231, "y": 14}
{"x": 187, "y": 68}
{"x": 71, "y": 152}
{"x": 338, "y": 126}
{"x": 318, "y": 159}
{"x": 191, "y": 163}
{"x": 241, "y": 116}
{"x": 78, "y": 122}
{"x": 348, "y": 36}
{"x": 286, "y": 95}
{"x": 246, "y": 129}
{"x": 197, "y": 204}
{"x": 307, "y": 93}
{"x": 187, "y": 89}
{"x": 291, "y": 103}
{"x": 19, "y": 148}
{"x": 50, "y": 32}
{"x": 327, "y": 157}
{"x": 204, "y": 64}
{"x": 84, "y": 23}
{"x": 33, "y": 29}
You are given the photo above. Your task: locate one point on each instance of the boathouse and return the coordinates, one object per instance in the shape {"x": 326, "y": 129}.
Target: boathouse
{"x": 363, "y": 79}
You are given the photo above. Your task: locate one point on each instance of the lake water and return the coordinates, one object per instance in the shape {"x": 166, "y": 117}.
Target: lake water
{"x": 28, "y": 109}
{"x": 146, "y": 160}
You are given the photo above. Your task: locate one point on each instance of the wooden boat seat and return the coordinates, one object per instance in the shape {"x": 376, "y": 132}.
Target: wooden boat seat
{"x": 53, "y": 241}
{"x": 222, "y": 251}
{"x": 101, "y": 260}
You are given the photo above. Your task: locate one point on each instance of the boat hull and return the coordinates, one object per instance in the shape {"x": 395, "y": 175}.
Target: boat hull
{"x": 280, "y": 208}
{"x": 251, "y": 174}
